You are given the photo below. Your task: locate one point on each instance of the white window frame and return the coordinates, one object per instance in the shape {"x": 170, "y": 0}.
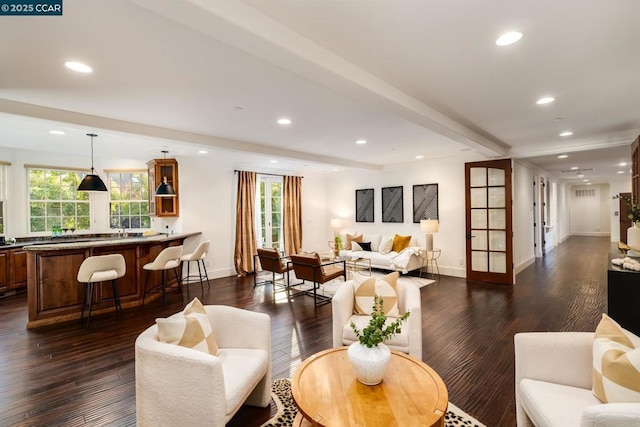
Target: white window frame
{"x": 268, "y": 180}
{"x": 146, "y": 200}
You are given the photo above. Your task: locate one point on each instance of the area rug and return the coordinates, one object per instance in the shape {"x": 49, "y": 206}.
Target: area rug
{"x": 281, "y": 395}
{"x": 331, "y": 287}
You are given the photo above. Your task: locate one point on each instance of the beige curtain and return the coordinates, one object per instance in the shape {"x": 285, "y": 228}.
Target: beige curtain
{"x": 292, "y": 206}
{"x": 245, "y": 223}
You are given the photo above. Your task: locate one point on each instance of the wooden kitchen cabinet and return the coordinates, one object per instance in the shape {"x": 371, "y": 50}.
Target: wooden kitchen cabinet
{"x": 158, "y": 169}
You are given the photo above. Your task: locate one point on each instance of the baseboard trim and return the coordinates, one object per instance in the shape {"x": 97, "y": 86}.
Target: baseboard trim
{"x": 524, "y": 264}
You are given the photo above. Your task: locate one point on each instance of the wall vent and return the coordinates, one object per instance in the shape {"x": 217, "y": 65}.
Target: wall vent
{"x": 586, "y": 193}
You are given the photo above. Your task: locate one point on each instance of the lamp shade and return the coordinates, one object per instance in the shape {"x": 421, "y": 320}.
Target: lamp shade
{"x": 165, "y": 189}
{"x": 92, "y": 183}
{"x": 336, "y": 223}
{"x": 429, "y": 225}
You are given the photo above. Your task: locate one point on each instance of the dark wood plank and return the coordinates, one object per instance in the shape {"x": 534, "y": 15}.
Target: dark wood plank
{"x": 65, "y": 375}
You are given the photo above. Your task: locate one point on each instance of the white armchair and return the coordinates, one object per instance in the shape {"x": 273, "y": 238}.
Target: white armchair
{"x": 553, "y": 384}
{"x": 409, "y": 341}
{"x": 181, "y": 386}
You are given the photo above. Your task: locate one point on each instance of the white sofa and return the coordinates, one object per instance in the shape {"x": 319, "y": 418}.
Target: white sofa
{"x": 179, "y": 386}
{"x": 408, "y": 341}
{"x": 404, "y": 261}
{"x": 554, "y": 380}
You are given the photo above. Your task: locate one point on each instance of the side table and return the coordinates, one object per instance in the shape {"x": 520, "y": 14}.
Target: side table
{"x": 327, "y": 393}
{"x": 430, "y": 261}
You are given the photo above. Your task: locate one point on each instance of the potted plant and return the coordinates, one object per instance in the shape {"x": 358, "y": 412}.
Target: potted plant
{"x": 369, "y": 356}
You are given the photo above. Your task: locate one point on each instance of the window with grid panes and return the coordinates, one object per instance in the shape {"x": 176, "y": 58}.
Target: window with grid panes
{"x": 55, "y": 201}
{"x": 129, "y": 200}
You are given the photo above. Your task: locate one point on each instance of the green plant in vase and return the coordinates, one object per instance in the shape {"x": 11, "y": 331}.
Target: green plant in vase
{"x": 369, "y": 357}
{"x": 337, "y": 244}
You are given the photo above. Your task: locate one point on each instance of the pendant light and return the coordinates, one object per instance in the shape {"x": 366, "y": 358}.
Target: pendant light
{"x": 92, "y": 182}
{"x": 165, "y": 189}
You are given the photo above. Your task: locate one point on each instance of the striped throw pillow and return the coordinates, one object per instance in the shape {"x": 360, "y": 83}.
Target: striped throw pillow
{"x": 365, "y": 289}
{"x": 616, "y": 363}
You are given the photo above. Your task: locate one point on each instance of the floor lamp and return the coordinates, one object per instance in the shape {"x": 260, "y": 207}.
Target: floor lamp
{"x": 429, "y": 226}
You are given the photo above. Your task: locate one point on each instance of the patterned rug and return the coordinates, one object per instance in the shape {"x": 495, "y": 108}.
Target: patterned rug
{"x": 331, "y": 287}
{"x": 281, "y": 395}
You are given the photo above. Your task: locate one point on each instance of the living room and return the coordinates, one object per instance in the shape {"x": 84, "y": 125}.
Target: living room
{"x": 423, "y": 115}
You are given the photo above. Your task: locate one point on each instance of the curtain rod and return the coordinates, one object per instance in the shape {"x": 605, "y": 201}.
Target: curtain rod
{"x": 263, "y": 173}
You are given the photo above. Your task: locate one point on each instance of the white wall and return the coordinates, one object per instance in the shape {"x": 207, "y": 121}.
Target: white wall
{"x": 447, "y": 173}
{"x": 590, "y": 216}
{"x": 523, "y": 216}
{"x": 564, "y": 212}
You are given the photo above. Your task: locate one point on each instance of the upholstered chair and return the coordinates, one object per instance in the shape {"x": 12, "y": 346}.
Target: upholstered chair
{"x": 408, "y": 341}
{"x": 179, "y": 386}
{"x": 309, "y": 267}
{"x": 270, "y": 260}
{"x": 554, "y": 378}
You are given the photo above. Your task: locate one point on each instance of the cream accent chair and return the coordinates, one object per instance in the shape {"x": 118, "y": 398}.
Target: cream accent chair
{"x": 179, "y": 386}
{"x": 553, "y": 384}
{"x": 409, "y": 341}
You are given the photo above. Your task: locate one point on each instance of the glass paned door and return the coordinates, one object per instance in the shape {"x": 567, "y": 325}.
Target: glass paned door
{"x": 488, "y": 221}
{"x": 270, "y": 212}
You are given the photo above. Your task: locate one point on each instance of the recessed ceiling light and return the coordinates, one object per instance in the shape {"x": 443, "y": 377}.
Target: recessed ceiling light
{"x": 361, "y": 141}
{"x": 273, "y": 161}
{"x": 574, "y": 168}
{"x": 545, "y": 100}
{"x": 78, "y": 66}
{"x": 562, "y": 156}
{"x": 620, "y": 171}
{"x": 202, "y": 151}
{"x": 56, "y": 132}
{"x": 588, "y": 183}
{"x": 284, "y": 121}
{"x": 420, "y": 157}
{"x": 580, "y": 176}
{"x": 585, "y": 180}
{"x": 509, "y": 38}
{"x": 623, "y": 164}
{"x": 567, "y": 133}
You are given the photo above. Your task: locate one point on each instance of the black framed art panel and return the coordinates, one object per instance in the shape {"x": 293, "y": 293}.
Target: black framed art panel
{"x": 364, "y": 205}
{"x": 392, "y": 204}
{"x": 425, "y": 202}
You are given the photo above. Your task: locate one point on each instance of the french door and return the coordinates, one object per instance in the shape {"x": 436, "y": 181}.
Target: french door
{"x": 488, "y": 221}
{"x": 269, "y": 215}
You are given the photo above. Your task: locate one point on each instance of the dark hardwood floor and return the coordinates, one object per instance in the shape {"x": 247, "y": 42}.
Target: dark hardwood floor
{"x": 66, "y": 375}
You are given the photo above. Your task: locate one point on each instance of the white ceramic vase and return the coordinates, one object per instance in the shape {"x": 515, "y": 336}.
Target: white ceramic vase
{"x": 369, "y": 364}
{"x": 633, "y": 239}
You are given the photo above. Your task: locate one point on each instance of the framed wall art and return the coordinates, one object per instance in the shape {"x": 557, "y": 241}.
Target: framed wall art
{"x": 364, "y": 205}
{"x": 425, "y": 202}
{"x": 392, "y": 208}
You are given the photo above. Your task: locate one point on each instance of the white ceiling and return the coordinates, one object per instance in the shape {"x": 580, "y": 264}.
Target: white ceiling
{"x": 410, "y": 77}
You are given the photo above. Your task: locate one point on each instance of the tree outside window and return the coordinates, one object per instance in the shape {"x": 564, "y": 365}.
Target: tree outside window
{"x": 129, "y": 204}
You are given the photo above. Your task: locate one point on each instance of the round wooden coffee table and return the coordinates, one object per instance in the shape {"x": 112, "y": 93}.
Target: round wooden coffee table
{"x": 327, "y": 393}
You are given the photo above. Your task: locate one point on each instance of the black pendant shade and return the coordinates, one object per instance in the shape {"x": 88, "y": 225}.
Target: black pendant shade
{"x": 165, "y": 189}
{"x": 92, "y": 182}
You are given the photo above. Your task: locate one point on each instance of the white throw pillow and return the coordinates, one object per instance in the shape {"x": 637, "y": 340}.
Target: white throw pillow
{"x": 386, "y": 244}
{"x": 374, "y": 239}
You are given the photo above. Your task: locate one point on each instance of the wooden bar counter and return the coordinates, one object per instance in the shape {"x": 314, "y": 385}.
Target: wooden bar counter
{"x": 54, "y": 294}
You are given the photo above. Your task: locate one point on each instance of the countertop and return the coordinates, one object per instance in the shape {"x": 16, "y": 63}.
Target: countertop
{"x": 79, "y": 242}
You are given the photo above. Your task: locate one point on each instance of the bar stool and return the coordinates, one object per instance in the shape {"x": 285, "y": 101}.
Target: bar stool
{"x": 198, "y": 256}
{"x": 97, "y": 269}
{"x": 168, "y": 259}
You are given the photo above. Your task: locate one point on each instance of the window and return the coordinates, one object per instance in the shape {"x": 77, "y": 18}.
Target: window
{"x": 54, "y": 201}
{"x": 269, "y": 212}
{"x": 129, "y": 204}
